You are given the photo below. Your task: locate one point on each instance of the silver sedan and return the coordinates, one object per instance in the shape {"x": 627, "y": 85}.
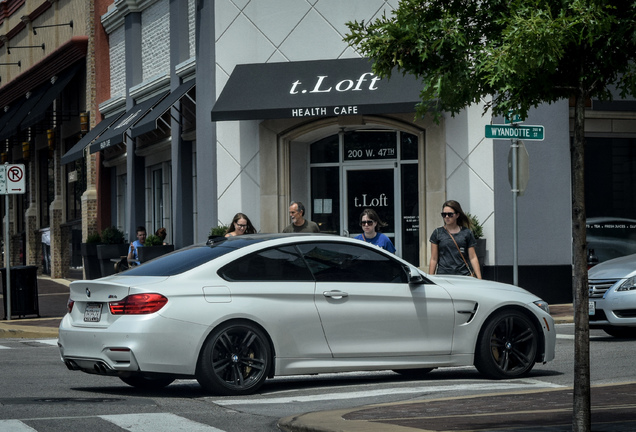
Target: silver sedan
{"x": 239, "y": 310}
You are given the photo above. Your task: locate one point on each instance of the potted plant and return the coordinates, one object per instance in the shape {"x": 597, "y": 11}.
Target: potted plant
{"x": 153, "y": 248}
{"x": 92, "y": 269}
{"x": 478, "y": 232}
{"x": 218, "y": 231}
{"x": 112, "y": 248}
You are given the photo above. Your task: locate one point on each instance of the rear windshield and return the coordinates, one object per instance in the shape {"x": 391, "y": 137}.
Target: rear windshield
{"x": 183, "y": 260}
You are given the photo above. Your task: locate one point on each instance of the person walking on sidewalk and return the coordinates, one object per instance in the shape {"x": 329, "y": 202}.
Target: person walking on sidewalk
{"x": 453, "y": 244}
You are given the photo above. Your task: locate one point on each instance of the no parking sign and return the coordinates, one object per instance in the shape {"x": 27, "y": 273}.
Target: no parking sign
{"x": 12, "y": 179}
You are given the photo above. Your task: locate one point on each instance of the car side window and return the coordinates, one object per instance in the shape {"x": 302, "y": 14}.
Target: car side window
{"x": 275, "y": 264}
{"x": 338, "y": 262}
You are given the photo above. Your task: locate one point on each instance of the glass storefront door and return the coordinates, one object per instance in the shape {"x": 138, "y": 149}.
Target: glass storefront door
{"x": 377, "y": 169}
{"x": 374, "y": 189}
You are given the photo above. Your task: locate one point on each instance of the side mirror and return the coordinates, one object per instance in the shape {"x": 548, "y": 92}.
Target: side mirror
{"x": 414, "y": 276}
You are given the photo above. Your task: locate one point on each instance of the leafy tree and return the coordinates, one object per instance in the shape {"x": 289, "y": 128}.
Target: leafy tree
{"x": 515, "y": 54}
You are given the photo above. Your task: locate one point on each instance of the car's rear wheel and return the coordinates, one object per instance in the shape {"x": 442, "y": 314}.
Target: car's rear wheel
{"x": 235, "y": 360}
{"x": 149, "y": 383}
{"x": 621, "y": 332}
{"x": 507, "y": 346}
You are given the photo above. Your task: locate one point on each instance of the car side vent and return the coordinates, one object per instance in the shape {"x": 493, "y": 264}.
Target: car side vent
{"x": 470, "y": 313}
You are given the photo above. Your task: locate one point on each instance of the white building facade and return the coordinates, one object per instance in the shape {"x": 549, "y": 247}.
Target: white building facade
{"x": 211, "y": 125}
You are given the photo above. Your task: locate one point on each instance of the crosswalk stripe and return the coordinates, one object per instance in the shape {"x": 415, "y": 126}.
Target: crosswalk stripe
{"x": 525, "y": 384}
{"x": 15, "y": 426}
{"x": 157, "y": 422}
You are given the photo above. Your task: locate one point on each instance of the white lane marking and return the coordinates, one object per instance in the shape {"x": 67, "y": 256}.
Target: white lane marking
{"x": 527, "y": 384}
{"x": 157, "y": 422}
{"x": 46, "y": 341}
{"x": 4, "y": 347}
{"x": 15, "y": 426}
{"x": 562, "y": 336}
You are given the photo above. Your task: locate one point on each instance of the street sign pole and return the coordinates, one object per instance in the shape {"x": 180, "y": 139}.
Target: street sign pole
{"x": 515, "y": 131}
{"x": 12, "y": 181}
{"x": 515, "y": 228}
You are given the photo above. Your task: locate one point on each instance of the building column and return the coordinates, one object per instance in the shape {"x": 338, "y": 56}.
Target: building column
{"x": 60, "y": 256}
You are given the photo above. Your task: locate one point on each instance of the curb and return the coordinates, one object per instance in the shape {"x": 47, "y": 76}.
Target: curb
{"x": 26, "y": 332}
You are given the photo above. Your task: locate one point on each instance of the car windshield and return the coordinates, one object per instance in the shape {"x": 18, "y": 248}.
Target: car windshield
{"x": 188, "y": 258}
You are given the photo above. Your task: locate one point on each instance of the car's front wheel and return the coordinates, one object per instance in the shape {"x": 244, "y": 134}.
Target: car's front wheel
{"x": 507, "y": 346}
{"x": 235, "y": 360}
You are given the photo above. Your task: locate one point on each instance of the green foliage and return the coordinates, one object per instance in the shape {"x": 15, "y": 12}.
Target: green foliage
{"x": 218, "y": 231}
{"x": 510, "y": 54}
{"x": 94, "y": 238}
{"x": 112, "y": 235}
{"x": 153, "y": 240}
{"x": 475, "y": 226}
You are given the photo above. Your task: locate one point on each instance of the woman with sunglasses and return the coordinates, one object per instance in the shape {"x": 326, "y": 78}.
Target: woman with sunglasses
{"x": 453, "y": 244}
{"x": 371, "y": 224}
{"x": 240, "y": 225}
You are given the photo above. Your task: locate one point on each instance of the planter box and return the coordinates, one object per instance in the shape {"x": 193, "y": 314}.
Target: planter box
{"x": 92, "y": 269}
{"x": 480, "y": 250}
{"x": 106, "y": 253}
{"x": 147, "y": 253}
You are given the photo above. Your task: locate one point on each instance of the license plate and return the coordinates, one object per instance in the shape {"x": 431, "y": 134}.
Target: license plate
{"x": 93, "y": 312}
{"x": 592, "y": 307}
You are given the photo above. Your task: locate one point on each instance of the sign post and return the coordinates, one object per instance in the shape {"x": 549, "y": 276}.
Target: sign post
{"x": 515, "y": 132}
{"x": 12, "y": 181}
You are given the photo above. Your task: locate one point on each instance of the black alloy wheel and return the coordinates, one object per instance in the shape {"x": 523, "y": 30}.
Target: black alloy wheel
{"x": 235, "y": 360}
{"x": 507, "y": 346}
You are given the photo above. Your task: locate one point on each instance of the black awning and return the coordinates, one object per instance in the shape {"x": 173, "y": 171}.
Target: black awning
{"x": 12, "y": 126}
{"x": 77, "y": 151}
{"x": 34, "y": 108}
{"x": 38, "y": 113}
{"x": 115, "y": 134}
{"x": 149, "y": 122}
{"x": 320, "y": 88}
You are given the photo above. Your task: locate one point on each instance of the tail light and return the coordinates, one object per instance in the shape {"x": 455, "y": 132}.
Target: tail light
{"x": 138, "y": 304}
{"x": 69, "y": 305}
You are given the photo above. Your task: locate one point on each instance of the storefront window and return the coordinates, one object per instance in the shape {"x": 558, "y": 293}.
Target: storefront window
{"x": 325, "y": 198}
{"x": 46, "y": 186}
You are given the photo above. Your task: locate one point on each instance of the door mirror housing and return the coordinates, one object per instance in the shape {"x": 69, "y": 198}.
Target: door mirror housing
{"x": 414, "y": 276}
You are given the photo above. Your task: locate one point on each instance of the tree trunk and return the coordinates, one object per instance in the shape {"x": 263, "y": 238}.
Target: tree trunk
{"x": 581, "y": 418}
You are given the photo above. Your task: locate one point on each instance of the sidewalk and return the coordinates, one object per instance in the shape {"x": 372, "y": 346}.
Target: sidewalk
{"x": 52, "y": 299}
{"x": 547, "y": 410}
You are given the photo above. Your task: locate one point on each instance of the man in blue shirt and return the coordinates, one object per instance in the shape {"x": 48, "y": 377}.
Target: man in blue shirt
{"x": 133, "y": 258}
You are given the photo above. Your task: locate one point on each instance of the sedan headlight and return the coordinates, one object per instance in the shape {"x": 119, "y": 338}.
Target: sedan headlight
{"x": 628, "y": 285}
{"x": 543, "y": 305}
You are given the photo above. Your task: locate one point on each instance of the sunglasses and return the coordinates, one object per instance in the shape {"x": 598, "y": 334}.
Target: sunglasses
{"x": 444, "y": 215}
{"x": 367, "y": 222}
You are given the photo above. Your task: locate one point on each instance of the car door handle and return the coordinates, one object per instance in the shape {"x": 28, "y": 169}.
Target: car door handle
{"x": 335, "y": 294}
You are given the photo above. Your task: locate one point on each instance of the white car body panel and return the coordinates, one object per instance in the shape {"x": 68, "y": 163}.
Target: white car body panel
{"x": 403, "y": 326}
{"x": 618, "y": 307}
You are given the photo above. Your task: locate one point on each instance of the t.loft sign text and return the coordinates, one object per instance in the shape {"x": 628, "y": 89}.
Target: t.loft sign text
{"x": 365, "y": 82}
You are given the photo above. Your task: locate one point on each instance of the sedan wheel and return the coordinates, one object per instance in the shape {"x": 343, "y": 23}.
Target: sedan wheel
{"x": 235, "y": 360}
{"x": 507, "y": 346}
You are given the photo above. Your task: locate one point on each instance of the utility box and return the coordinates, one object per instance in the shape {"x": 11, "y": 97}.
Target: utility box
{"x": 24, "y": 291}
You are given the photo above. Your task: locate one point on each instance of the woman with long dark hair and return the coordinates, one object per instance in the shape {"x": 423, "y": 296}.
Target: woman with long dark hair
{"x": 240, "y": 225}
{"x": 453, "y": 244}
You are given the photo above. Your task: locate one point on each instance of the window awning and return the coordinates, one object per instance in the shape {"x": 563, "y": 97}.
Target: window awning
{"x": 150, "y": 121}
{"x": 320, "y": 88}
{"x": 12, "y": 125}
{"x": 115, "y": 134}
{"x": 33, "y": 109}
{"x": 77, "y": 151}
{"x": 38, "y": 113}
